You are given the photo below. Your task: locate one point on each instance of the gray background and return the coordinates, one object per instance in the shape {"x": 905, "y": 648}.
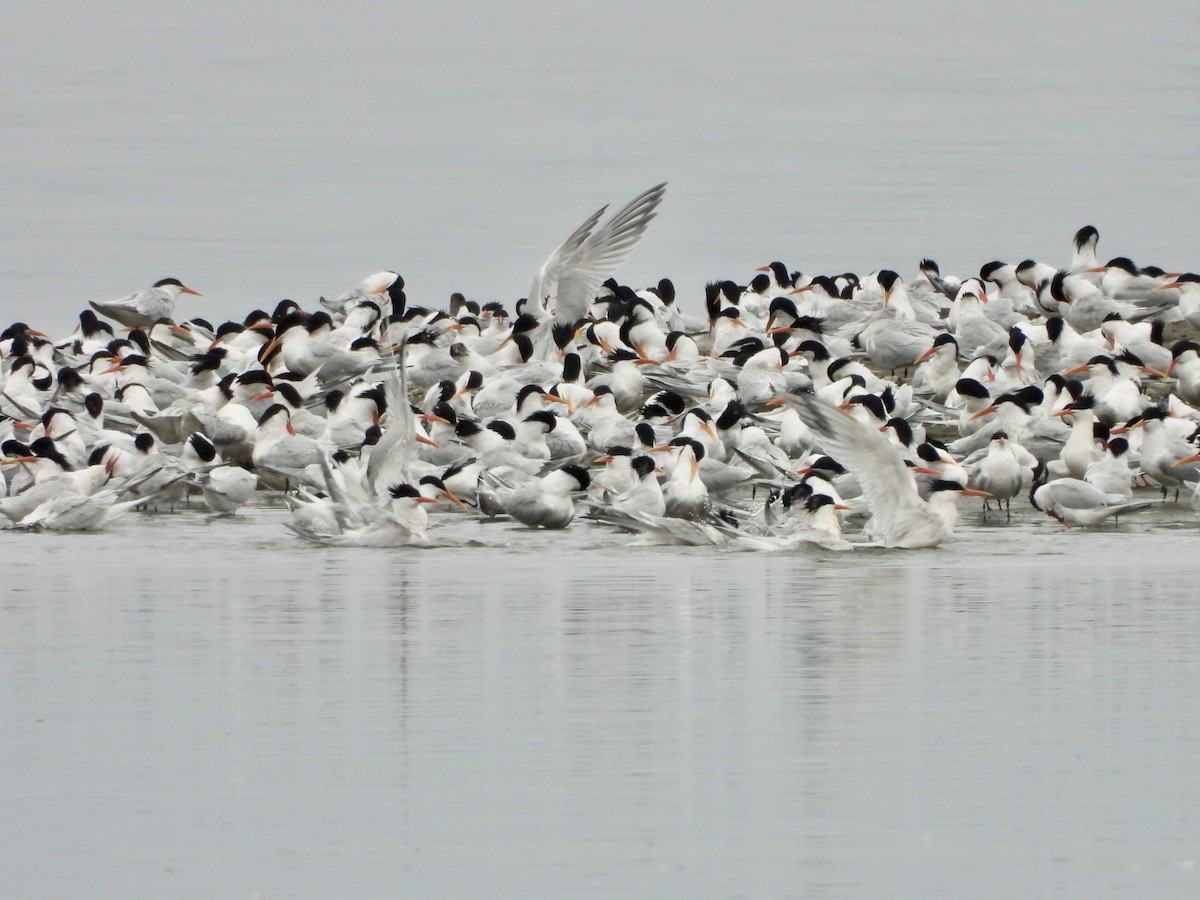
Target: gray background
{"x": 288, "y": 149}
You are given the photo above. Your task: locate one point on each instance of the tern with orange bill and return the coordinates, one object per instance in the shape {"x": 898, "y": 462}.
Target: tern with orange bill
{"x": 1188, "y": 286}
{"x": 899, "y": 517}
{"x": 937, "y": 369}
{"x": 146, "y": 307}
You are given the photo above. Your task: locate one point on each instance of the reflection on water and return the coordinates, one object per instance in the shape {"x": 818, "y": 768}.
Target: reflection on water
{"x": 525, "y": 717}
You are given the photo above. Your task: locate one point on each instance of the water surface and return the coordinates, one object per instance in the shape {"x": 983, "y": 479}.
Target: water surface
{"x": 199, "y": 706}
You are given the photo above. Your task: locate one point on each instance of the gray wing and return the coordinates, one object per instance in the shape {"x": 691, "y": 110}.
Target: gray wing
{"x": 889, "y": 488}
{"x": 602, "y": 253}
{"x": 548, "y": 274}
{"x": 392, "y": 456}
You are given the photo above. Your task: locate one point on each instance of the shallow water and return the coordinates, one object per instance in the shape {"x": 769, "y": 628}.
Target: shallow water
{"x": 205, "y": 706}
{"x": 212, "y": 708}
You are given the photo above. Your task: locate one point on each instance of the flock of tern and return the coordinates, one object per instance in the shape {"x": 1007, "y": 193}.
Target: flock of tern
{"x": 833, "y": 410}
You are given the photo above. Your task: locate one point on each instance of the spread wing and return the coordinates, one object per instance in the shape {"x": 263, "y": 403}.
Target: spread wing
{"x": 392, "y": 457}
{"x": 549, "y": 272}
{"x": 888, "y": 486}
{"x": 600, "y": 254}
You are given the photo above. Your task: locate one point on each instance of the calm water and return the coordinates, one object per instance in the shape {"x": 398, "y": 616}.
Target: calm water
{"x": 210, "y": 707}
{"x": 202, "y": 708}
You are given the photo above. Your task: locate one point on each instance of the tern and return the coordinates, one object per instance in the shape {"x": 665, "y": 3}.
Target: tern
{"x": 899, "y": 517}
{"x": 581, "y": 263}
{"x": 546, "y": 502}
{"x": 1078, "y": 503}
{"x": 145, "y": 307}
